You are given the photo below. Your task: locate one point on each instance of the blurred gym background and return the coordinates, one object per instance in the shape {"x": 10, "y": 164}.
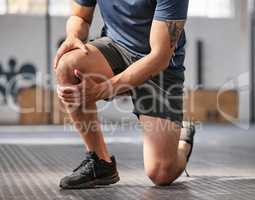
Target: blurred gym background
{"x": 220, "y": 65}
{"x": 36, "y": 150}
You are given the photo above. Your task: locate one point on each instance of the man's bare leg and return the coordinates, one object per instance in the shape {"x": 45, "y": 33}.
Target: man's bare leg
{"x": 165, "y": 157}
{"x": 86, "y": 122}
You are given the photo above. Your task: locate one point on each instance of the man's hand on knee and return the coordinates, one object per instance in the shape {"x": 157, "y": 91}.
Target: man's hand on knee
{"x": 69, "y": 44}
{"x": 85, "y": 93}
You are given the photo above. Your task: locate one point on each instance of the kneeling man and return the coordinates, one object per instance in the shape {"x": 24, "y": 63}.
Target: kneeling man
{"x": 141, "y": 52}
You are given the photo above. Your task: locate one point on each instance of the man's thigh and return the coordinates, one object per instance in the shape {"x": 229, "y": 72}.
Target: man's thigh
{"x": 161, "y": 139}
{"x": 93, "y": 64}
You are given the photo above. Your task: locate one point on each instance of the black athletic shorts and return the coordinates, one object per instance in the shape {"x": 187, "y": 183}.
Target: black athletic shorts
{"x": 161, "y": 96}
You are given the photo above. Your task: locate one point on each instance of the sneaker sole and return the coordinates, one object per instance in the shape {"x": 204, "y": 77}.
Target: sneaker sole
{"x": 97, "y": 182}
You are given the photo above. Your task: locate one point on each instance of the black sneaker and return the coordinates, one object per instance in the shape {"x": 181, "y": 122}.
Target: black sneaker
{"x": 90, "y": 173}
{"x": 188, "y": 136}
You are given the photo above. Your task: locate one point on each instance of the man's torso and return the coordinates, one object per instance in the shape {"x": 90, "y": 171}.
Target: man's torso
{"x": 128, "y": 22}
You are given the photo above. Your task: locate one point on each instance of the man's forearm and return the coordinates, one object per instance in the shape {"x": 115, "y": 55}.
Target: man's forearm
{"x": 136, "y": 74}
{"x": 161, "y": 52}
{"x": 77, "y": 27}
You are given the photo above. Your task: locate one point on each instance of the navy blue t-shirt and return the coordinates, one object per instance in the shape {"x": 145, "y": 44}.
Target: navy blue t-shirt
{"x": 128, "y": 22}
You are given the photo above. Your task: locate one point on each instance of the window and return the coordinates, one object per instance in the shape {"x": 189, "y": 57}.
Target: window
{"x": 3, "y": 7}
{"x": 58, "y": 7}
{"x": 212, "y": 8}
{"x": 27, "y": 6}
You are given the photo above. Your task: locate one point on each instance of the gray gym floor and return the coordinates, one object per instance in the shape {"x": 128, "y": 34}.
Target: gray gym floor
{"x": 32, "y": 160}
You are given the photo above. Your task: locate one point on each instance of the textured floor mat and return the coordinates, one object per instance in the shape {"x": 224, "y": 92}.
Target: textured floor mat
{"x": 32, "y": 172}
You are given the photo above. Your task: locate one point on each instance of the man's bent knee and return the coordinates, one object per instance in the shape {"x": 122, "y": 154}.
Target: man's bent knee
{"x": 65, "y": 68}
{"x": 161, "y": 173}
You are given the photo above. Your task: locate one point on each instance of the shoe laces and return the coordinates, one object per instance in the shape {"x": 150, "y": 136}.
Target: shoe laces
{"x": 84, "y": 162}
{"x": 87, "y": 166}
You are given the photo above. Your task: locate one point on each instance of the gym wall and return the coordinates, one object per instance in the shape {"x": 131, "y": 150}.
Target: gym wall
{"x": 226, "y": 52}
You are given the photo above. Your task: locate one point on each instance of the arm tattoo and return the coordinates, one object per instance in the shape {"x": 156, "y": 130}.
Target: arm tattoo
{"x": 175, "y": 29}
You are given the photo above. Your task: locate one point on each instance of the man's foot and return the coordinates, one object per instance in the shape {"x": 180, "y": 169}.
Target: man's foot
{"x": 187, "y": 135}
{"x": 90, "y": 173}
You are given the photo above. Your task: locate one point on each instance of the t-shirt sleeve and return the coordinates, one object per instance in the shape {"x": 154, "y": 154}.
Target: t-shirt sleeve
{"x": 89, "y": 3}
{"x": 171, "y": 10}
